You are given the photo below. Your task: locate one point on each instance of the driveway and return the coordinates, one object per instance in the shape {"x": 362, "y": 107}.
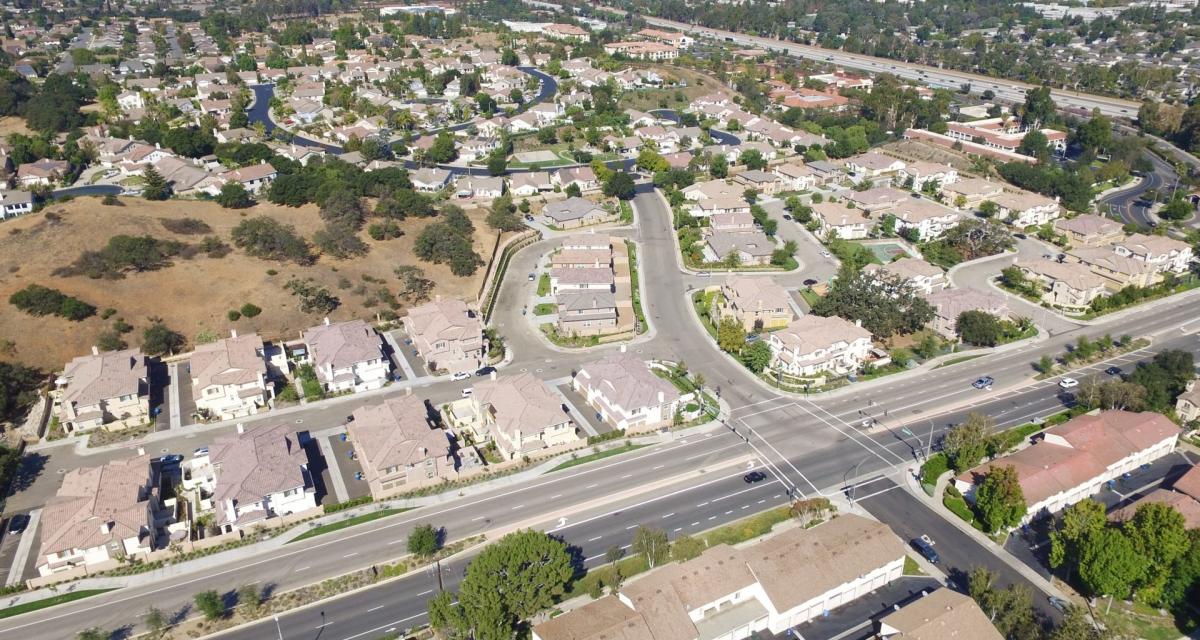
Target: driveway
{"x": 856, "y": 620}
{"x": 910, "y": 518}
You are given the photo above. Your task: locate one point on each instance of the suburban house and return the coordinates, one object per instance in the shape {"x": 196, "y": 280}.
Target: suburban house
{"x": 761, "y": 181}
{"x": 796, "y": 176}
{"x": 519, "y": 414}
{"x": 731, "y": 222}
{"x": 727, "y": 593}
{"x": 715, "y": 206}
{"x": 257, "y": 474}
{"x": 1025, "y": 209}
{"x": 838, "y": 220}
{"x": 1187, "y": 405}
{"x": 924, "y": 277}
{"x": 922, "y": 173}
{"x": 878, "y": 198}
{"x": 447, "y": 334}
{"x": 15, "y": 203}
{"x": 398, "y": 447}
{"x": 1089, "y": 230}
{"x": 1074, "y": 460}
{"x": 44, "y": 172}
{"x": 756, "y": 303}
{"x": 927, "y": 218}
{"x": 430, "y": 180}
{"x": 752, "y": 248}
{"x": 530, "y": 183}
{"x": 576, "y": 212}
{"x": 873, "y": 164}
{"x": 229, "y": 377}
{"x": 949, "y": 304}
{"x": 1183, "y": 496}
{"x": 1163, "y": 253}
{"x": 627, "y": 394}
{"x": 253, "y": 178}
{"x": 814, "y": 345}
{"x": 972, "y": 191}
{"x": 586, "y": 313}
{"x": 1068, "y": 285}
{"x": 483, "y": 187}
{"x": 943, "y": 614}
{"x": 347, "y": 356}
{"x": 582, "y": 259}
{"x": 101, "y": 516}
{"x": 109, "y": 390}
{"x": 583, "y": 177}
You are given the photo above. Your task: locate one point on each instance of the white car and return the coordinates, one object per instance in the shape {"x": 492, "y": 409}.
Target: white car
{"x": 461, "y": 375}
{"x": 1068, "y": 383}
{"x": 466, "y": 393}
{"x": 825, "y": 254}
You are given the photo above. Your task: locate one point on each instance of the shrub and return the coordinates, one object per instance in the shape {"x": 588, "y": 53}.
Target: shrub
{"x": 41, "y": 301}
{"x": 123, "y": 253}
{"x": 111, "y": 200}
{"x": 108, "y": 313}
{"x": 249, "y": 310}
{"x": 934, "y": 468}
{"x": 234, "y": 315}
{"x": 186, "y": 226}
{"x": 268, "y": 239}
{"x": 385, "y": 230}
{"x": 158, "y": 339}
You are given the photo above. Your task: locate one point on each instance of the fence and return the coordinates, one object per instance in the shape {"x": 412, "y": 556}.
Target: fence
{"x": 496, "y": 268}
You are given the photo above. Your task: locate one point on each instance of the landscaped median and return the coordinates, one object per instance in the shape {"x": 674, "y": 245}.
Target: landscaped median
{"x": 44, "y": 603}
{"x": 319, "y": 530}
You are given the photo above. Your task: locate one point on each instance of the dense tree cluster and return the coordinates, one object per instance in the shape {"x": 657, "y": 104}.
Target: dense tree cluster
{"x": 41, "y": 301}
{"x": 123, "y": 254}
{"x": 267, "y": 238}
{"x": 450, "y": 241}
{"x": 885, "y": 304}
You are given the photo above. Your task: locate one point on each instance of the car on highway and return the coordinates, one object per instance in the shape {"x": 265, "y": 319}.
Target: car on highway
{"x": 1068, "y": 383}
{"x": 984, "y": 383}
{"x": 754, "y": 476}
{"x": 461, "y": 375}
{"x": 1114, "y": 371}
{"x": 925, "y": 546}
{"x": 17, "y": 524}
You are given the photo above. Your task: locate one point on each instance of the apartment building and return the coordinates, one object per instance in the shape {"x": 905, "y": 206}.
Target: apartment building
{"x": 942, "y": 614}
{"x": 762, "y": 589}
{"x": 922, "y": 173}
{"x": 347, "y": 356}
{"x": 1088, "y": 230}
{"x": 1165, "y": 255}
{"x": 1067, "y": 285}
{"x": 107, "y": 390}
{"x": 1074, "y": 460}
{"x": 399, "y": 447}
{"x": 627, "y": 394}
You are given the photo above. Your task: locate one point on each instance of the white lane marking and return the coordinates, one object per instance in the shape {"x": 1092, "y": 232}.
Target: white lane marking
{"x": 557, "y": 495}
{"x": 426, "y": 592}
{"x": 594, "y": 539}
{"x": 351, "y": 554}
{"x": 668, "y": 515}
{"x": 592, "y": 486}
{"x": 303, "y": 568}
{"x": 517, "y": 507}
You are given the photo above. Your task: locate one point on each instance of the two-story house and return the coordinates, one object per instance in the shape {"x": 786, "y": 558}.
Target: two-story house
{"x": 229, "y": 377}
{"x": 813, "y": 346}
{"x": 1089, "y": 230}
{"x": 627, "y": 394}
{"x": 836, "y": 220}
{"x": 347, "y": 356}
{"x": 928, "y": 219}
{"x": 1025, "y": 209}
{"x": 1068, "y": 285}
{"x": 1166, "y": 255}
{"x": 519, "y": 414}
{"x": 924, "y": 277}
{"x": 756, "y": 303}
{"x": 447, "y": 334}
{"x": 398, "y": 447}
{"x": 109, "y": 390}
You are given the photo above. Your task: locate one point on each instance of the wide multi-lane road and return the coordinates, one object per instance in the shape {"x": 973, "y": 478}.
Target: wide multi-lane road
{"x": 1010, "y": 90}
{"x": 690, "y": 483}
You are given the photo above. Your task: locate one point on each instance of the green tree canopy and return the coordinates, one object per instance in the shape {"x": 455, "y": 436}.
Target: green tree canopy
{"x": 999, "y": 500}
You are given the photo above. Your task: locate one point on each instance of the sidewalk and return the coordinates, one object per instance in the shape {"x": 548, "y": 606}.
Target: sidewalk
{"x": 935, "y": 503}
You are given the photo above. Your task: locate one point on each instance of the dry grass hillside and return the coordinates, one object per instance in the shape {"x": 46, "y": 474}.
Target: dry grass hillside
{"x": 196, "y": 294}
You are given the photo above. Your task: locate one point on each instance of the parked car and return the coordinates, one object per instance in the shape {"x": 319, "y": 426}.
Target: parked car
{"x": 1113, "y": 371}
{"x": 461, "y": 375}
{"x": 754, "y": 476}
{"x": 200, "y": 452}
{"x": 171, "y": 460}
{"x": 983, "y": 383}
{"x": 17, "y": 524}
{"x": 787, "y": 217}
{"x": 808, "y": 282}
{"x": 925, "y": 546}
{"x": 466, "y": 393}
{"x": 1058, "y": 603}
{"x": 532, "y": 276}
{"x": 1068, "y": 383}
{"x": 825, "y": 254}
{"x": 485, "y": 371}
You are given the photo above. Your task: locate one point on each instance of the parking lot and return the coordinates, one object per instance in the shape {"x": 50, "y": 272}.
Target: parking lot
{"x": 856, "y": 620}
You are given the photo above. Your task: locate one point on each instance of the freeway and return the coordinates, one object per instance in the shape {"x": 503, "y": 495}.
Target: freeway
{"x": 1010, "y": 90}
{"x": 810, "y": 445}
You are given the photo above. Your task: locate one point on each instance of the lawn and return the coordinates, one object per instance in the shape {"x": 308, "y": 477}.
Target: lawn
{"x": 544, "y": 285}
{"x": 598, "y": 456}
{"x": 911, "y": 568}
{"x": 626, "y": 212}
{"x": 810, "y": 297}
{"x": 959, "y": 360}
{"x": 544, "y": 309}
{"x": 343, "y": 524}
{"x": 635, "y": 287}
{"x": 51, "y": 602}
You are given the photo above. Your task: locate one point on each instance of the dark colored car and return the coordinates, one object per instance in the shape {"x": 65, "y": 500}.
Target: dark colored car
{"x": 171, "y": 459}
{"x": 1113, "y": 371}
{"x": 925, "y": 546}
{"x": 809, "y": 282}
{"x": 754, "y": 476}
{"x": 485, "y": 371}
{"x": 17, "y": 524}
